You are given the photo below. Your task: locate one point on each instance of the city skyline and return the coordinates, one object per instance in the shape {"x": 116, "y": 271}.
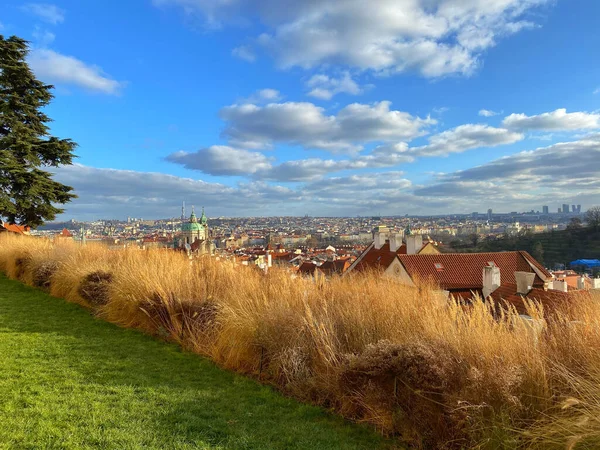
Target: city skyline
{"x": 419, "y": 108}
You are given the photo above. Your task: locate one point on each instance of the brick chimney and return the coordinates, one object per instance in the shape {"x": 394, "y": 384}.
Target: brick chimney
{"x": 491, "y": 280}
{"x": 414, "y": 243}
{"x": 524, "y": 282}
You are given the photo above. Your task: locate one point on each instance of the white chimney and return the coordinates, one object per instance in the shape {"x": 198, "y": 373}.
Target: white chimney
{"x": 560, "y": 285}
{"x": 524, "y": 282}
{"x": 580, "y": 282}
{"x": 395, "y": 241}
{"x": 491, "y": 280}
{"x": 414, "y": 243}
{"x": 595, "y": 283}
{"x": 269, "y": 260}
{"x": 380, "y": 238}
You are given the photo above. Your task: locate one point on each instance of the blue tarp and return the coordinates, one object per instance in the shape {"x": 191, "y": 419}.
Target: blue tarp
{"x": 589, "y": 263}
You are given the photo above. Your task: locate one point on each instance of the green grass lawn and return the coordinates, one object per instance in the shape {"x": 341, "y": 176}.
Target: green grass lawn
{"x": 70, "y": 381}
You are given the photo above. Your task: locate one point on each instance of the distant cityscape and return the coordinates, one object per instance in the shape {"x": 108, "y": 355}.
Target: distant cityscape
{"x": 239, "y": 232}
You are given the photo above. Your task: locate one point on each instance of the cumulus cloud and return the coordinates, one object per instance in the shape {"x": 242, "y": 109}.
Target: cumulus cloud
{"x": 313, "y": 168}
{"x": 57, "y": 68}
{"x": 222, "y": 160}
{"x": 307, "y": 125}
{"x": 47, "y": 12}
{"x": 487, "y": 113}
{"x": 325, "y": 87}
{"x": 267, "y": 95}
{"x": 565, "y": 170}
{"x": 112, "y": 193}
{"x": 432, "y": 37}
{"x": 466, "y": 137}
{"x": 559, "y": 120}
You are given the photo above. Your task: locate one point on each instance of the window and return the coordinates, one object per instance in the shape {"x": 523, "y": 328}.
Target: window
{"x": 439, "y": 267}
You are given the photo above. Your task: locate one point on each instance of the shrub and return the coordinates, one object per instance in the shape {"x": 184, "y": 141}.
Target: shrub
{"x": 94, "y": 288}
{"x": 174, "y": 318}
{"x": 42, "y": 274}
{"x": 414, "y": 384}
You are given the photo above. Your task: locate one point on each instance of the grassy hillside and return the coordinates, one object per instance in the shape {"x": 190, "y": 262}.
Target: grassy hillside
{"x": 432, "y": 372}
{"x": 69, "y": 381}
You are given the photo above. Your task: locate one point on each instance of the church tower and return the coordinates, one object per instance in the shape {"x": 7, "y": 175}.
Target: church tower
{"x": 194, "y": 230}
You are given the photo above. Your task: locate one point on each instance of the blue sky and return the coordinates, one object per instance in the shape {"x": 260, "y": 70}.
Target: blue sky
{"x": 279, "y": 107}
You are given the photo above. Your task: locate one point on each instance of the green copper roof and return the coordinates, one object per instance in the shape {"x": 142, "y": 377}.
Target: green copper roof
{"x": 192, "y": 226}
{"x": 203, "y": 218}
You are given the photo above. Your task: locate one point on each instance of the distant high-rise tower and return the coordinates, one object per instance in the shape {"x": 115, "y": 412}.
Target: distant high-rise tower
{"x": 490, "y": 214}
{"x": 545, "y": 209}
{"x": 565, "y": 209}
{"x": 578, "y": 209}
{"x": 573, "y": 208}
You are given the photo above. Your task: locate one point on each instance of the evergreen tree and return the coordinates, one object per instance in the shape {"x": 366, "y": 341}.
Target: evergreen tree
{"x": 28, "y": 194}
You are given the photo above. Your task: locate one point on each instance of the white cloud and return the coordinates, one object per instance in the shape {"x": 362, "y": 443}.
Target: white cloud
{"x": 466, "y": 137}
{"x": 597, "y": 91}
{"x": 112, "y": 193}
{"x": 222, "y": 160}
{"x": 244, "y": 52}
{"x": 432, "y": 37}
{"x": 563, "y": 171}
{"x": 264, "y": 96}
{"x": 57, "y": 68}
{"x": 487, "y": 113}
{"x": 306, "y": 125}
{"x": 47, "y": 12}
{"x": 559, "y": 120}
{"x": 325, "y": 87}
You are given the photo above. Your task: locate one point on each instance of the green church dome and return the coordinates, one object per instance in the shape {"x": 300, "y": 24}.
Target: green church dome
{"x": 193, "y": 224}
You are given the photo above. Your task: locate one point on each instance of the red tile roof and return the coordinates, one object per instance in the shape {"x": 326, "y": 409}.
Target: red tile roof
{"x": 464, "y": 271}
{"x": 65, "y": 233}
{"x": 307, "y": 268}
{"x": 374, "y": 258}
{"x": 334, "y": 267}
{"x": 14, "y": 228}
{"x": 549, "y": 299}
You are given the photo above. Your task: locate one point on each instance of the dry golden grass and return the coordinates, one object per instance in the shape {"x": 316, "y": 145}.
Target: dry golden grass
{"x": 437, "y": 373}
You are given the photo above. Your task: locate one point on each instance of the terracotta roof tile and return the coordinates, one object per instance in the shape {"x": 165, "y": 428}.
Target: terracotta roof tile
{"x": 14, "y": 228}
{"x": 464, "y": 271}
{"x": 334, "y": 267}
{"x": 549, "y": 299}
